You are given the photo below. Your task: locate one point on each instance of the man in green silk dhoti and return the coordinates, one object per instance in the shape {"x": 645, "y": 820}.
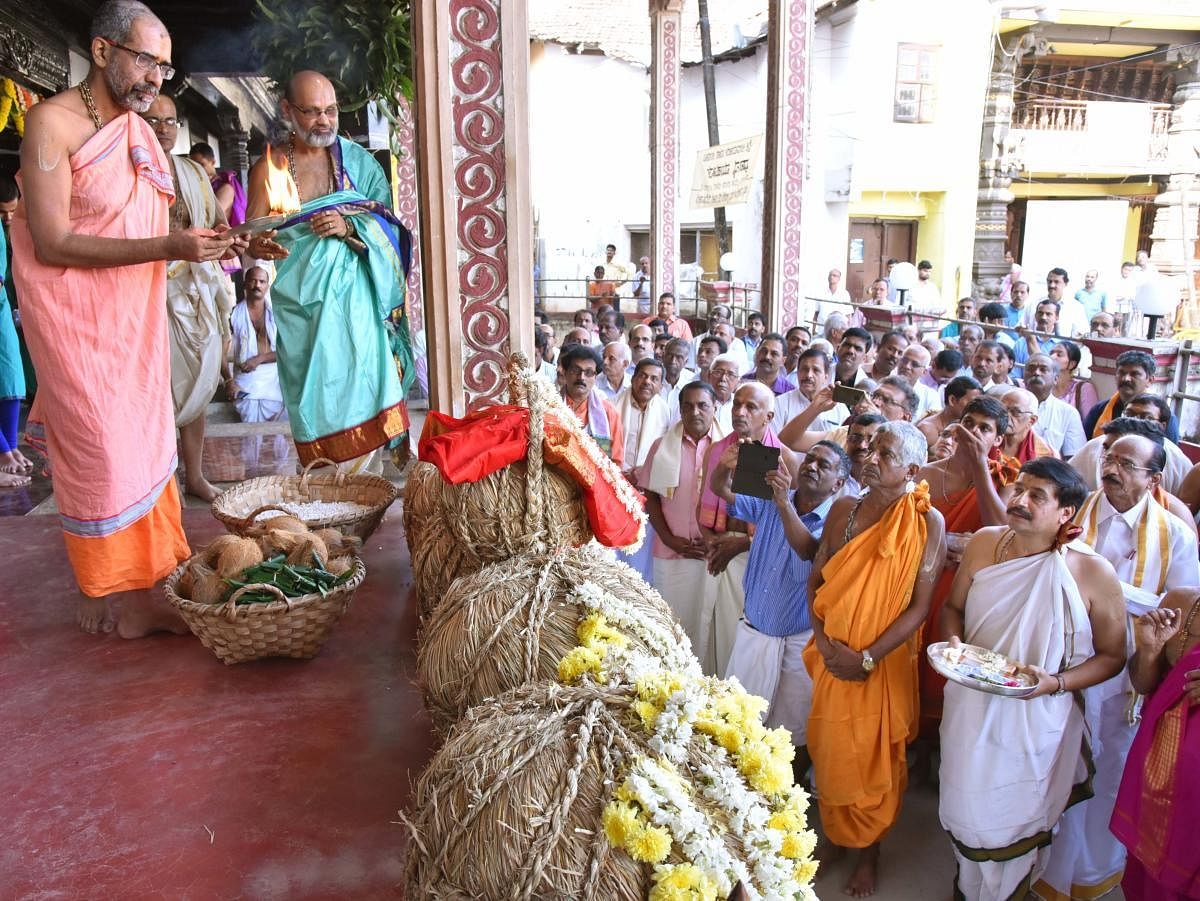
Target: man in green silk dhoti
{"x": 344, "y": 357}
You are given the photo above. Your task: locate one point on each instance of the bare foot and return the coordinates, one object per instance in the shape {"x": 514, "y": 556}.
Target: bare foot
{"x": 11, "y": 480}
{"x": 23, "y": 460}
{"x": 827, "y": 852}
{"x": 143, "y": 612}
{"x": 861, "y": 883}
{"x": 10, "y": 463}
{"x": 201, "y": 488}
{"x": 93, "y": 615}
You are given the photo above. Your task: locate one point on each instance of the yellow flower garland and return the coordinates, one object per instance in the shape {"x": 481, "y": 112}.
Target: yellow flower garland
{"x": 10, "y": 106}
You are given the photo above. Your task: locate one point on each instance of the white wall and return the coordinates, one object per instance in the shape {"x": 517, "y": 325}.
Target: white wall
{"x": 589, "y": 120}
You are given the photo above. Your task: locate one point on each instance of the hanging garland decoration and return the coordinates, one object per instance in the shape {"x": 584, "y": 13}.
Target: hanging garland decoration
{"x": 14, "y": 103}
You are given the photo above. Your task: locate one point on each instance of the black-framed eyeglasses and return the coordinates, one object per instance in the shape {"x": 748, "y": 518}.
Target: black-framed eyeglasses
{"x": 314, "y": 112}
{"x": 153, "y": 121}
{"x": 145, "y": 61}
{"x": 879, "y": 398}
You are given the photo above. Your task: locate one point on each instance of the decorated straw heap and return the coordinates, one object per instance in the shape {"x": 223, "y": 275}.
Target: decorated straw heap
{"x": 586, "y": 755}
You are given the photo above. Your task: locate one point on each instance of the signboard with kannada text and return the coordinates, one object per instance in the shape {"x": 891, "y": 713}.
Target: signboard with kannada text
{"x": 725, "y": 173}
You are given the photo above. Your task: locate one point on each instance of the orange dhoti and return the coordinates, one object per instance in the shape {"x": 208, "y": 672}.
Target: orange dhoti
{"x": 98, "y": 338}
{"x": 962, "y": 515}
{"x": 858, "y": 731}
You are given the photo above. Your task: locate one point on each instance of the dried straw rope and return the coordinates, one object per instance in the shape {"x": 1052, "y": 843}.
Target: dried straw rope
{"x": 513, "y": 621}
{"x": 510, "y": 805}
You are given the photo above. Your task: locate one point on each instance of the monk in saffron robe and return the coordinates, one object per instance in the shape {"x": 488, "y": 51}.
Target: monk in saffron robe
{"x": 872, "y": 580}
{"x": 970, "y": 489}
{"x": 344, "y": 353}
{"x": 1157, "y": 814}
{"x": 90, "y": 241}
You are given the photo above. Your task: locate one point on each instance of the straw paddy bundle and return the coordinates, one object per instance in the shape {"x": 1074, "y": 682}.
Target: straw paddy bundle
{"x": 523, "y": 508}
{"x": 576, "y": 792}
{"x": 518, "y": 620}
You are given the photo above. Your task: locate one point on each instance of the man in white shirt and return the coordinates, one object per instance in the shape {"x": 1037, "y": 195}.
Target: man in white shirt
{"x": 643, "y": 412}
{"x": 614, "y": 378}
{"x": 1072, "y": 317}
{"x": 835, "y": 293}
{"x": 721, "y": 315}
{"x": 1087, "y": 461}
{"x": 813, "y": 372}
{"x": 912, "y": 365}
{"x": 724, "y": 377}
{"x": 675, "y": 375}
{"x": 925, "y": 295}
{"x": 616, "y": 271}
{"x": 1152, "y": 552}
{"x": 1058, "y": 422}
{"x": 641, "y": 345}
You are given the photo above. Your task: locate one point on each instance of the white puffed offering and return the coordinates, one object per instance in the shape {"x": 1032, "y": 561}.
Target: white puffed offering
{"x": 311, "y": 511}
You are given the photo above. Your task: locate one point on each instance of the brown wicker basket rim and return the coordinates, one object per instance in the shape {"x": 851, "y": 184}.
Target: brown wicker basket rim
{"x": 225, "y": 506}
{"x": 252, "y": 610}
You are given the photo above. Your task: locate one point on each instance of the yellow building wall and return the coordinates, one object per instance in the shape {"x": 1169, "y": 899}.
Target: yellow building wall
{"x": 945, "y": 231}
{"x": 1133, "y": 227}
{"x": 1133, "y": 223}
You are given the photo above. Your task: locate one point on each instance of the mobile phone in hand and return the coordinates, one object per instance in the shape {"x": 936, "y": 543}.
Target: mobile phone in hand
{"x": 755, "y": 461}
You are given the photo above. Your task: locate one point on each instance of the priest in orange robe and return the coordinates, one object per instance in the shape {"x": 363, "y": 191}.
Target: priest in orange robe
{"x": 870, "y": 589}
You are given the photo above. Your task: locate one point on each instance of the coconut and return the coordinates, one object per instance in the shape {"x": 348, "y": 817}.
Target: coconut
{"x": 338, "y": 544}
{"x": 236, "y": 557}
{"x": 212, "y": 552}
{"x": 513, "y": 621}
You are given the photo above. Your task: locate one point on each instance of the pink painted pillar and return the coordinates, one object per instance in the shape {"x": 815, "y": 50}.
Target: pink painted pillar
{"x": 664, "y": 142}
{"x": 407, "y": 209}
{"x": 789, "y": 38}
{"x": 472, "y": 67}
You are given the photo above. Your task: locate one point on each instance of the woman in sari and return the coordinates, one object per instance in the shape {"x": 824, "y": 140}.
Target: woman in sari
{"x": 1079, "y": 393}
{"x": 1158, "y": 806}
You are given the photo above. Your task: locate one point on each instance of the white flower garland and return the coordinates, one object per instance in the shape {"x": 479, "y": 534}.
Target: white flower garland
{"x": 670, "y": 647}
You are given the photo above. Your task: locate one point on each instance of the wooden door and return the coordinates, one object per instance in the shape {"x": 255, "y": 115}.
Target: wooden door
{"x": 872, "y": 243}
{"x": 862, "y": 259}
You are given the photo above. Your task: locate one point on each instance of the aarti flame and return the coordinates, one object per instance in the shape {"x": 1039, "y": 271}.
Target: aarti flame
{"x": 281, "y": 190}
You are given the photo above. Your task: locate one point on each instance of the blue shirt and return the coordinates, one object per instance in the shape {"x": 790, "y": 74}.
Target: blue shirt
{"x": 1021, "y": 348}
{"x": 1012, "y": 315}
{"x": 1093, "y": 301}
{"x": 776, "y": 582}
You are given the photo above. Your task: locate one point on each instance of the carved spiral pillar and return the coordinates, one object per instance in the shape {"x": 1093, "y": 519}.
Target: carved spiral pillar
{"x": 789, "y": 39}
{"x": 664, "y": 142}
{"x": 408, "y": 209}
{"x": 476, "y": 227}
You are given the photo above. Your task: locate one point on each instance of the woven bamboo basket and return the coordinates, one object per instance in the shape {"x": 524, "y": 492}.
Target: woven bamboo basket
{"x": 528, "y": 507}
{"x": 513, "y": 621}
{"x": 289, "y": 627}
{"x": 510, "y": 806}
{"x": 238, "y": 507}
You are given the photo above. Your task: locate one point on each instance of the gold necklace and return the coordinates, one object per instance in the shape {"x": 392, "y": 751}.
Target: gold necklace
{"x": 291, "y": 160}
{"x": 85, "y": 92}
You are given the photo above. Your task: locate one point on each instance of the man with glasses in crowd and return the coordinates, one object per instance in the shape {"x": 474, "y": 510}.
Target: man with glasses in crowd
{"x": 580, "y": 364}
{"x": 723, "y": 377}
{"x": 1153, "y": 552}
{"x": 720, "y": 314}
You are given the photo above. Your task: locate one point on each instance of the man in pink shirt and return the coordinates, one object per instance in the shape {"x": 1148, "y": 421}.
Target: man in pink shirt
{"x": 676, "y": 327}
{"x": 670, "y": 478}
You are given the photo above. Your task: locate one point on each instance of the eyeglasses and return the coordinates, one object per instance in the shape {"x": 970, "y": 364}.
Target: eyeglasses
{"x": 145, "y": 61}
{"x": 314, "y": 112}
{"x": 1123, "y": 464}
{"x": 582, "y": 373}
{"x": 1020, "y": 412}
{"x": 153, "y": 121}
{"x": 880, "y": 398}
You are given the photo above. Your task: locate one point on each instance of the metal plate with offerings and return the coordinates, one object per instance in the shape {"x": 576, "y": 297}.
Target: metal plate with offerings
{"x": 980, "y": 669}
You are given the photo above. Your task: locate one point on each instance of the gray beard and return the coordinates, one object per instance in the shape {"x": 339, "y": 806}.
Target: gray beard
{"x": 314, "y": 140}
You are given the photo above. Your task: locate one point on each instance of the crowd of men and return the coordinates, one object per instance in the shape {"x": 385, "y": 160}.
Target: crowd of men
{"x": 967, "y": 484}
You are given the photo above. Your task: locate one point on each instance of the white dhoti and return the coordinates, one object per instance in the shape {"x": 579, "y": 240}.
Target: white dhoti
{"x": 772, "y": 667}
{"x": 691, "y": 594}
{"x": 1010, "y": 767}
{"x": 199, "y": 300}
{"x": 263, "y": 401}
{"x": 730, "y": 602}
{"x": 1086, "y": 860}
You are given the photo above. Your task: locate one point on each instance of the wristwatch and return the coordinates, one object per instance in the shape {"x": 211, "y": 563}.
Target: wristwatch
{"x": 1062, "y": 686}
{"x": 868, "y": 662}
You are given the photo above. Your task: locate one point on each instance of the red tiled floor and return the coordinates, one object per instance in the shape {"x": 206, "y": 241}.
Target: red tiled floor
{"x": 148, "y": 769}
